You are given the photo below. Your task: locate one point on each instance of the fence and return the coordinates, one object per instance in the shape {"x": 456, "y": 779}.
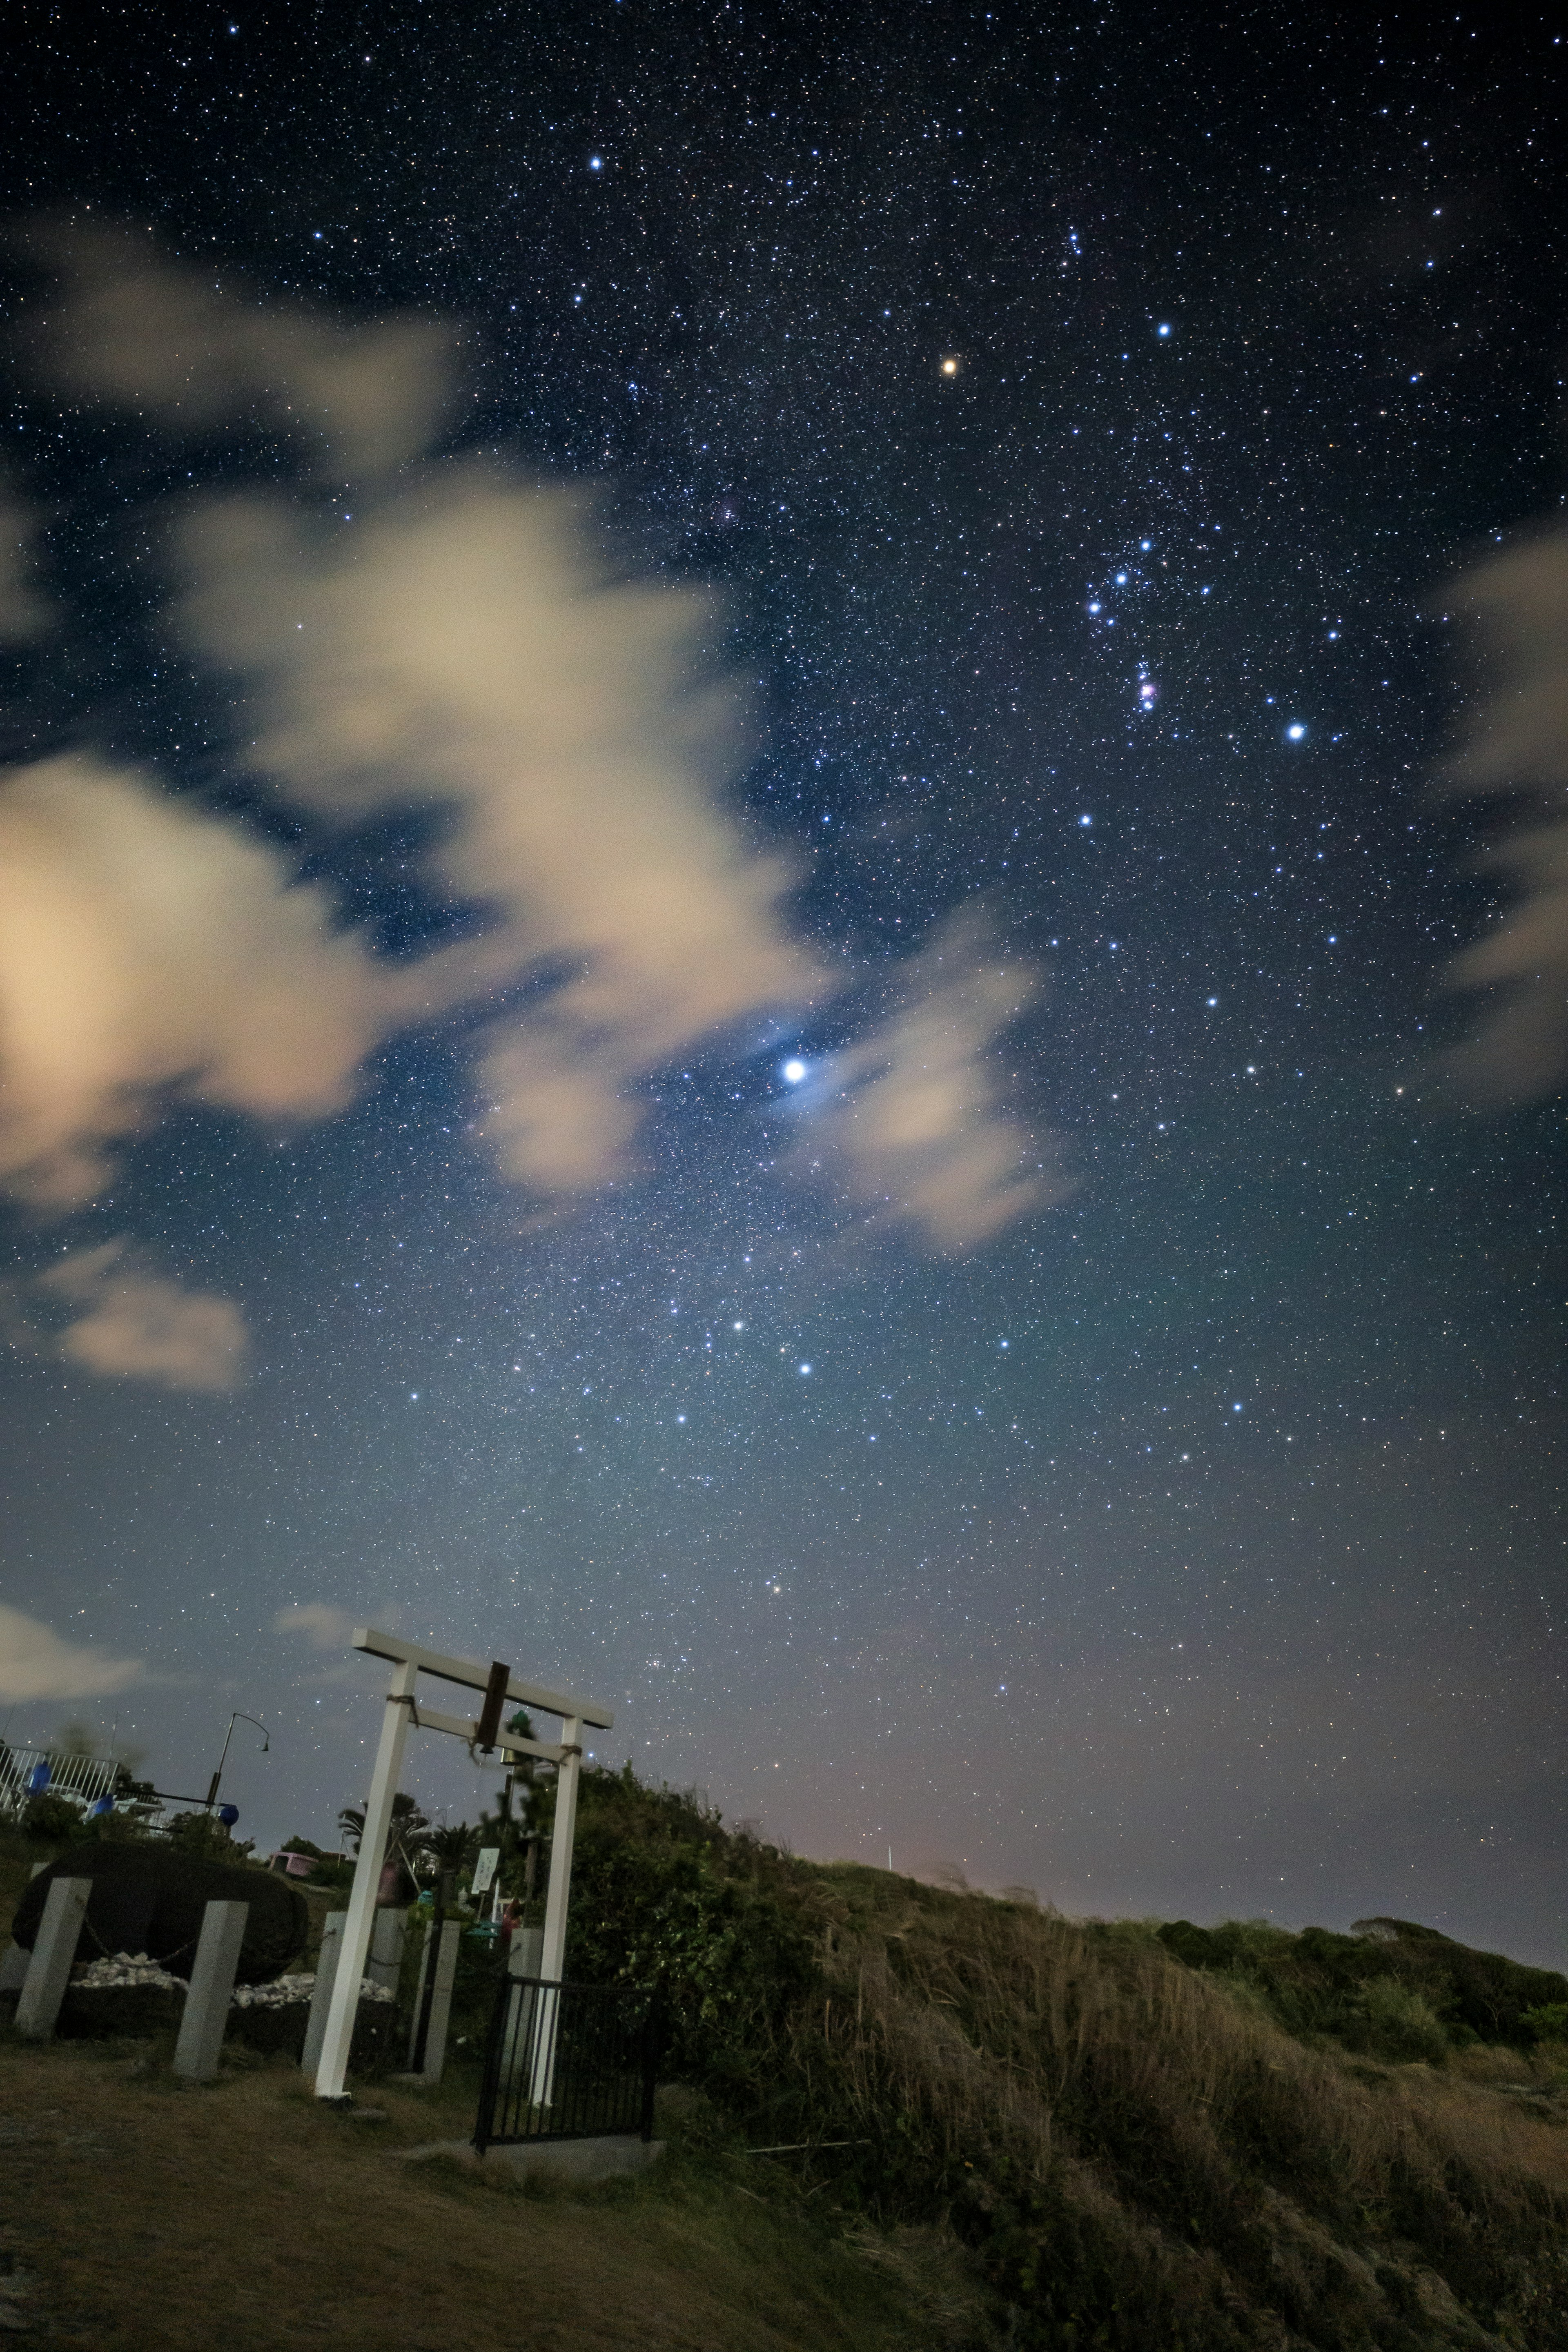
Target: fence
{"x": 567, "y": 2061}
{"x": 82, "y": 1778}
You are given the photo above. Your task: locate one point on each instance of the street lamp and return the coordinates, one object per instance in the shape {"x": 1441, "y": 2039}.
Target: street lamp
{"x": 237, "y": 1717}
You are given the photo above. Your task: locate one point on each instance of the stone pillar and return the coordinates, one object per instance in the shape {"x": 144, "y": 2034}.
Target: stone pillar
{"x": 385, "y": 1959}
{"x": 49, "y": 1971}
{"x": 441, "y": 2003}
{"x": 206, "y": 2018}
{"x": 321, "y": 1999}
{"x": 426, "y": 1955}
{"x": 525, "y": 1952}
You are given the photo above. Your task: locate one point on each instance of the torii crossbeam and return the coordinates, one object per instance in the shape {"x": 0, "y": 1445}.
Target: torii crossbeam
{"x": 403, "y": 1709}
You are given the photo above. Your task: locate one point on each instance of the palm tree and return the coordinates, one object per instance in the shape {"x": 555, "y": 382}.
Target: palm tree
{"x": 408, "y": 1832}
{"x": 454, "y": 1847}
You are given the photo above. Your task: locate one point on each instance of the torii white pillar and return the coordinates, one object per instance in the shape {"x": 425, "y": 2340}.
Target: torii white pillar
{"x": 409, "y": 1660}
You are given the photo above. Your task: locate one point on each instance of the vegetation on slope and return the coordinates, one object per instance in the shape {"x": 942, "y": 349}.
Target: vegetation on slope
{"x": 1132, "y": 2150}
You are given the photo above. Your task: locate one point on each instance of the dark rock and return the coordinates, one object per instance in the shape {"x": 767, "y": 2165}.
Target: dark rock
{"x": 150, "y": 1899}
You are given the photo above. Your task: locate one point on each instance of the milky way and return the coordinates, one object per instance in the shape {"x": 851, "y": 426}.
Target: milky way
{"x": 1052, "y": 1377}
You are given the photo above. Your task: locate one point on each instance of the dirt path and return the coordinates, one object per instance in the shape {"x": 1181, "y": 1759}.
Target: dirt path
{"x": 140, "y": 2217}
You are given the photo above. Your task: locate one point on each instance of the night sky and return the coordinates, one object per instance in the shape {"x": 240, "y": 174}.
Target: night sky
{"x": 961, "y": 1275}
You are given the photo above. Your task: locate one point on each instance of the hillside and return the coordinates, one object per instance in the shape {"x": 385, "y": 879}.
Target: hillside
{"x": 1298, "y": 2140}
{"x": 994, "y": 2125}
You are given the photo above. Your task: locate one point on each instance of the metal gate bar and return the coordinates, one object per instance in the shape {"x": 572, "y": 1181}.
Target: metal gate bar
{"x": 567, "y": 2062}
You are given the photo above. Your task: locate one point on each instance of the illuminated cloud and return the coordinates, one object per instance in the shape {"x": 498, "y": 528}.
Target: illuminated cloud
{"x": 323, "y": 1625}
{"x": 140, "y": 1325}
{"x": 464, "y": 644}
{"x": 1517, "y": 744}
{"x": 147, "y": 947}
{"x": 917, "y": 1127}
{"x": 131, "y": 329}
{"x": 35, "y": 1664}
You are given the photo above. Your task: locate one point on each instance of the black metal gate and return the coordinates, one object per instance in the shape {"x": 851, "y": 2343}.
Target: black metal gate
{"x": 567, "y": 2061}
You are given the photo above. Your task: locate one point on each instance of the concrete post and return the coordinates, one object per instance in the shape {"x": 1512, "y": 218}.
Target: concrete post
{"x": 525, "y": 1952}
{"x": 385, "y": 1961}
{"x": 326, "y": 1977}
{"x": 49, "y": 1971}
{"x": 427, "y": 1953}
{"x": 206, "y": 2018}
{"x": 14, "y": 1962}
{"x": 441, "y": 2001}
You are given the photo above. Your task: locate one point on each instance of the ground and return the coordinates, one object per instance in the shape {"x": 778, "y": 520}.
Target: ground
{"x": 145, "y": 2217}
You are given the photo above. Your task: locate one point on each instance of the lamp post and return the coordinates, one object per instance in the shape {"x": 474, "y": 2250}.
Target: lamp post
{"x": 237, "y": 1717}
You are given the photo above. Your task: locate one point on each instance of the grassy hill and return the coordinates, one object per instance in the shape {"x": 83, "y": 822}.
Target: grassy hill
{"x": 1136, "y": 2136}
{"x": 996, "y": 2126}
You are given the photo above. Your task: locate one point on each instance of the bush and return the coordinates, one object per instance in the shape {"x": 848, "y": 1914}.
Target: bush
{"x": 52, "y": 1821}
{"x": 1318, "y": 1982}
{"x": 1399, "y": 2025}
{"x": 697, "y": 1919}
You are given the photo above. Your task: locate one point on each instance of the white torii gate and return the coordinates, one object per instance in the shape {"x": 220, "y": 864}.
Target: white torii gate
{"x": 500, "y": 1687}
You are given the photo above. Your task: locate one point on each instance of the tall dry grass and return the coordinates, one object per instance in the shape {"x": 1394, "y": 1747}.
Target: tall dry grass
{"x": 1135, "y": 2147}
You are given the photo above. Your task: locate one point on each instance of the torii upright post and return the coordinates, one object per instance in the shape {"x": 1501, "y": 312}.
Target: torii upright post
{"x": 552, "y": 1954}
{"x": 500, "y": 1686}
{"x": 334, "y": 2064}
{"x": 563, "y": 1836}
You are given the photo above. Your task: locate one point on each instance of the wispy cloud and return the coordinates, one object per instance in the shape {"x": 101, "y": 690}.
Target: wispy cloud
{"x": 142, "y": 1326}
{"x": 36, "y": 1664}
{"x": 323, "y": 1625}
{"x": 463, "y": 643}
{"x": 133, "y": 329}
{"x": 1516, "y": 744}
{"x": 914, "y": 1113}
{"x": 147, "y": 947}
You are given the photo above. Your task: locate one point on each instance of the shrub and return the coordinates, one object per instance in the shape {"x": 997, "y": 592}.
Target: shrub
{"x": 1399, "y": 2025}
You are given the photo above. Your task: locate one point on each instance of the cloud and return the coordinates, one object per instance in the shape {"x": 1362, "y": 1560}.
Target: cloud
{"x": 915, "y": 1122}
{"x": 323, "y": 1626}
{"x": 134, "y": 329}
{"x": 23, "y": 612}
{"x": 36, "y": 1664}
{"x": 146, "y": 947}
{"x": 140, "y": 1325}
{"x": 1517, "y": 744}
{"x": 464, "y": 643}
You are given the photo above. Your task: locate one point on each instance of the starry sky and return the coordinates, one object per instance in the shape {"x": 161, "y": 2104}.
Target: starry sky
{"x": 948, "y": 1275}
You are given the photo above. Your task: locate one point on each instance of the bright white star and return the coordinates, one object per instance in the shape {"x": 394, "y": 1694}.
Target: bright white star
{"x": 795, "y": 1072}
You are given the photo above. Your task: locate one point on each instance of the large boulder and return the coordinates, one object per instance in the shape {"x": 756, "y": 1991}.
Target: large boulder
{"x": 151, "y": 1898}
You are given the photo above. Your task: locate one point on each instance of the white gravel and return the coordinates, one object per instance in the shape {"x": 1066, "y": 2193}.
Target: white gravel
{"x": 134, "y": 1968}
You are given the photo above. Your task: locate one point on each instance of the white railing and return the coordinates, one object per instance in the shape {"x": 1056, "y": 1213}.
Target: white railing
{"x": 81, "y": 1780}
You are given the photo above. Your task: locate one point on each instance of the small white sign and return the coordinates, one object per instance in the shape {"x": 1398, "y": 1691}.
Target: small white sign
{"x": 485, "y": 1868}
